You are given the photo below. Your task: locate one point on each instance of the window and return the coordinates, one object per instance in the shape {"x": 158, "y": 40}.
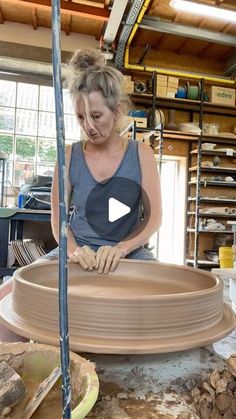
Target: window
{"x": 170, "y": 248}
{"x": 28, "y": 129}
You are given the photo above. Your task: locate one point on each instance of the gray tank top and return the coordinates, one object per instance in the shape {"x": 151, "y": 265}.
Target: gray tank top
{"x": 83, "y": 182}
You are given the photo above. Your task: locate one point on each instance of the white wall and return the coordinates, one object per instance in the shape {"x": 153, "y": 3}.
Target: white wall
{"x": 26, "y": 35}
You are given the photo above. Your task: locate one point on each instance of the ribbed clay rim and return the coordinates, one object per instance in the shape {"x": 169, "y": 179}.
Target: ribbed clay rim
{"x": 182, "y": 295}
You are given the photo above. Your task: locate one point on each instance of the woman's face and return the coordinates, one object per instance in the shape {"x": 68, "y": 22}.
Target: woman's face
{"x": 99, "y": 125}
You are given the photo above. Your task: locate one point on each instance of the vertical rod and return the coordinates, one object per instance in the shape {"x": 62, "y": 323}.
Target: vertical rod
{"x": 63, "y": 210}
{"x": 188, "y": 207}
{"x": 198, "y": 182}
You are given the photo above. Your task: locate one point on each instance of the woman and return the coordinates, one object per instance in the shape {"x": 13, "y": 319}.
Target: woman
{"x": 97, "y": 165}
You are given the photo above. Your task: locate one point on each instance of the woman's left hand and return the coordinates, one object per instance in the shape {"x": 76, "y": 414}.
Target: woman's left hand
{"x": 107, "y": 258}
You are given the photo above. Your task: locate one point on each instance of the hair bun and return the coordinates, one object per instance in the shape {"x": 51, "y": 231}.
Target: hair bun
{"x": 83, "y": 59}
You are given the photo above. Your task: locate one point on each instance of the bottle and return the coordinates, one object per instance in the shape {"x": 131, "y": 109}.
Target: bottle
{"x": 20, "y": 201}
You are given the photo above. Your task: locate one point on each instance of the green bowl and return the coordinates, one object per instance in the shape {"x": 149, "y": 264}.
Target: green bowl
{"x": 36, "y": 361}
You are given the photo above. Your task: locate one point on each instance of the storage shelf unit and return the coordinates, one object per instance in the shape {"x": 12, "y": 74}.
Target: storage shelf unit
{"x": 199, "y": 206}
{"x": 204, "y": 183}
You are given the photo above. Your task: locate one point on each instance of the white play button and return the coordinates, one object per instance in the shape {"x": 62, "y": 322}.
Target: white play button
{"x": 117, "y": 210}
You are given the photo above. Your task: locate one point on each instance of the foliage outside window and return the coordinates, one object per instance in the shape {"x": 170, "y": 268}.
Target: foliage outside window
{"x": 28, "y": 129}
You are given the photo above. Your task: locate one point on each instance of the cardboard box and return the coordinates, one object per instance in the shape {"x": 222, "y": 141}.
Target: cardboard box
{"x": 139, "y": 136}
{"x": 127, "y": 79}
{"x": 173, "y": 81}
{"x": 222, "y": 95}
{"x": 161, "y": 91}
{"x": 162, "y": 80}
{"x": 171, "y": 91}
{"x": 140, "y": 122}
{"x": 129, "y": 87}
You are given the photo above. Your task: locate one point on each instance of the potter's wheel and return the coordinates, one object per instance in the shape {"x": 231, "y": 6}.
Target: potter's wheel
{"x": 143, "y": 307}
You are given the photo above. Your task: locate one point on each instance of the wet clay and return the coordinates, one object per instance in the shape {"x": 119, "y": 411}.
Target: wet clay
{"x": 142, "y": 307}
{"x": 50, "y": 408}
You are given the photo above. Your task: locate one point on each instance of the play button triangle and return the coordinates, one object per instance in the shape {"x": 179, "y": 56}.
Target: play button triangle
{"x": 116, "y": 209}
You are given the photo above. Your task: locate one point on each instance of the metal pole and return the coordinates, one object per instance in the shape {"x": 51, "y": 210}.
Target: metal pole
{"x": 63, "y": 210}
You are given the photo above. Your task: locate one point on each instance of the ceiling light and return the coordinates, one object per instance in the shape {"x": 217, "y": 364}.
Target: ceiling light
{"x": 202, "y": 9}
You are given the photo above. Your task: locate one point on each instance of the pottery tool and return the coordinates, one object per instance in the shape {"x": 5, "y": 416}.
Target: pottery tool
{"x": 63, "y": 210}
{"x": 41, "y": 392}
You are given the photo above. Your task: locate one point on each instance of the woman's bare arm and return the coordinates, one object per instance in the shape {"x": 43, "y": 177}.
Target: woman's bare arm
{"x": 71, "y": 244}
{"x": 151, "y": 198}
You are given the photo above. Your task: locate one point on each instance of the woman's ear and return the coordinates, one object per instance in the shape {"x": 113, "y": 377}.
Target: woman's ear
{"x": 118, "y": 110}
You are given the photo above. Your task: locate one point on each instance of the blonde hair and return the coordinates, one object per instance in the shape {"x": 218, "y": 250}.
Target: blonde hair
{"x": 88, "y": 72}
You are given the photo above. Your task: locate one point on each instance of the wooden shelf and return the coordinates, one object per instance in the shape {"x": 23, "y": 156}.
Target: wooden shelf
{"x": 214, "y": 200}
{"x": 207, "y": 214}
{"x": 214, "y": 169}
{"x": 141, "y": 98}
{"x": 203, "y": 262}
{"x": 185, "y": 104}
{"x": 214, "y": 183}
{"x": 180, "y": 135}
{"x": 219, "y": 109}
{"x": 219, "y": 139}
{"x": 193, "y": 230}
{"x": 214, "y": 153}
{"x": 176, "y": 103}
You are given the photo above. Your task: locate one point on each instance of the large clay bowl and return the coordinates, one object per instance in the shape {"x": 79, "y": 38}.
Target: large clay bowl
{"x": 143, "y": 307}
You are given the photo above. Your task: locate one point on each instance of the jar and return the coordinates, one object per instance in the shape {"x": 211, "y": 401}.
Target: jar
{"x": 226, "y": 257}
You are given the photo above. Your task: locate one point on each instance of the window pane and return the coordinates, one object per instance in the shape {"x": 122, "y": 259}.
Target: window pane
{"x": 25, "y": 148}
{"x": 26, "y": 122}
{"x": 11, "y": 193}
{"x": 7, "y": 93}
{"x": 72, "y": 129}
{"x": 22, "y": 172}
{"x": 68, "y": 108}
{"x": 7, "y": 119}
{"x": 27, "y": 96}
{"x": 47, "y": 150}
{"x": 46, "y": 99}
{"x": 6, "y": 144}
{"x": 47, "y": 124}
{"x": 45, "y": 170}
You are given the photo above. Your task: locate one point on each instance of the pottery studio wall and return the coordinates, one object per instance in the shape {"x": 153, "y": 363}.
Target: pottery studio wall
{"x": 192, "y": 63}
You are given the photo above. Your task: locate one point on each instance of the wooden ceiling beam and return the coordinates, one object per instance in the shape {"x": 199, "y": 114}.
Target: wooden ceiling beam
{"x": 68, "y": 25}
{"x": 34, "y": 18}
{"x": 204, "y": 49}
{"x": 69, "y": 8}
{"x": 227, "y": 27}
{"x": 100, "y": 31}
{"x": 2, "y": 17}
{"x": 158, "y": 43}
{"x": 182, "y": 46}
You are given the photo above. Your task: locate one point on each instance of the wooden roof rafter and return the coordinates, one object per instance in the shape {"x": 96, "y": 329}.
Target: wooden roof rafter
{"x": 204, "y": 49}
{"x": 100, "y": 31}
{"x": 34, "y": 18}
{"x": 68, "y": 24}
{"x": 2, "y": 17}
{"x": 89, "y": 12}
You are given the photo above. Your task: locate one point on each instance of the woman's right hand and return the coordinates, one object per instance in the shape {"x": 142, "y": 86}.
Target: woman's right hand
{"x": 85, "y": 257}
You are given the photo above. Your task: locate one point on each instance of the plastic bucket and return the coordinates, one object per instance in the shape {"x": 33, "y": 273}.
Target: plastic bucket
{"x": 36, "y": 361}
{"x": 226, "y": 257}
